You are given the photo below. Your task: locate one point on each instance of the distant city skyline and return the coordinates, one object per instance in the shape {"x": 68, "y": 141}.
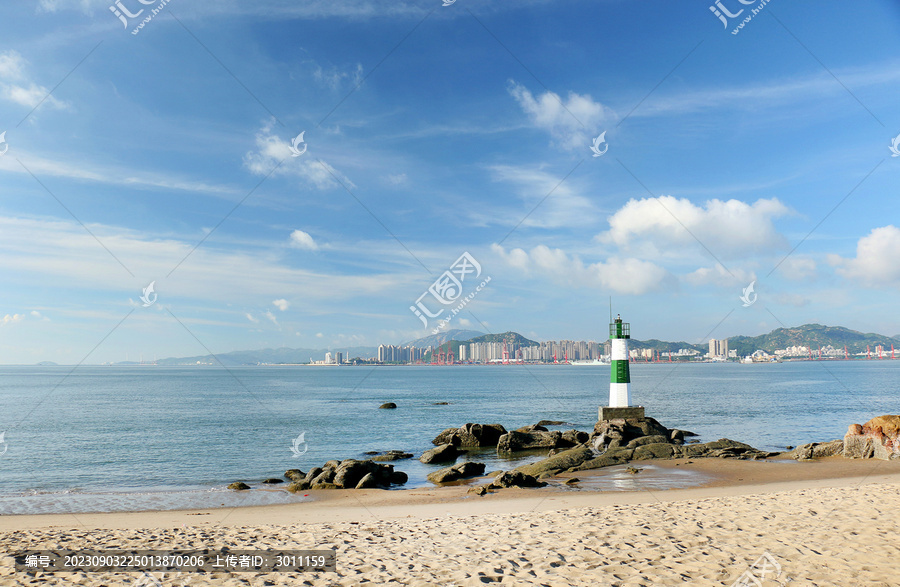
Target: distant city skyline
{"x": 276, "y": 174}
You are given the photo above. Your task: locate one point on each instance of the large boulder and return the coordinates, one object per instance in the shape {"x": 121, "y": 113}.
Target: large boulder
{"x": 574, "y": 438}
{"x": 558, "y": 463}
{"x": 659, "y": 450}
{"x": 294, "y": 475}
{"x": 619, "y": 432}
{"x": 458, "y": 471}
{"x": 816, "y": 450}
{"x": 514, "y": 479}
{"x": 878, "y": 438}
{"x": 471, "y": 435}
{"x": 516, "y": 441}
{"x": 723, "y": 449}
{"x": 444, "y": 453}
{"x": 655, "y": 439}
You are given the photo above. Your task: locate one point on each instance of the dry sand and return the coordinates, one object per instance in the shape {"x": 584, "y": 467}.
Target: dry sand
{"x": 830, "y": 522}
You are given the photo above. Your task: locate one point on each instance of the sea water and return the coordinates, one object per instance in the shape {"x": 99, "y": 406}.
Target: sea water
{"x": 101, "y": 438}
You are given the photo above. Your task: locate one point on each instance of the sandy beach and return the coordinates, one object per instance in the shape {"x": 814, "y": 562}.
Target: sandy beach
{"x": 826, "y": 522}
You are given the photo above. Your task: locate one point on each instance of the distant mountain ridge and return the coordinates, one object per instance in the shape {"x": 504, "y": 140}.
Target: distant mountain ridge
{"x": 808, "y": 335}
{"x": 440, "y": 338}
{"x": 283, "y": 355}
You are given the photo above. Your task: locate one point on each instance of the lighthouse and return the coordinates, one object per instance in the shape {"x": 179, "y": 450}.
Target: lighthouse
{"x": 620, "y": 376}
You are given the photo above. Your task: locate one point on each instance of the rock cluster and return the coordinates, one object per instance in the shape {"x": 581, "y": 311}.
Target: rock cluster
{"x": 536, "y": 436}
{"x": 878, "y": 438}
{"x": 347, "y": 474}
{"x": 816, "y": 450}
{"x": 471, "y": 435}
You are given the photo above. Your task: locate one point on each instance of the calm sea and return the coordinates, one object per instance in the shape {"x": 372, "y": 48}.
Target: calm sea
{"x": 130, "y": 438}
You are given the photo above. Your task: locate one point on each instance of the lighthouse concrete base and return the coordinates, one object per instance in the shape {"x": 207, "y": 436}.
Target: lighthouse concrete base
{"x": 629, "y": 413}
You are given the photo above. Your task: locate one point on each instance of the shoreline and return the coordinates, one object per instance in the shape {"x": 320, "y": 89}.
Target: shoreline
{"x": 726, "y": 478}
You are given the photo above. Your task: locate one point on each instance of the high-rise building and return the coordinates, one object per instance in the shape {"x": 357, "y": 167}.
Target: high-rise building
{"x": 339, "y": 358}
{"x": 718, "y": 348}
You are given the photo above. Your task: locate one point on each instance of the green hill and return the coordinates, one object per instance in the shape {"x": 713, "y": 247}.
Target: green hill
{"x": 812, "y": 336}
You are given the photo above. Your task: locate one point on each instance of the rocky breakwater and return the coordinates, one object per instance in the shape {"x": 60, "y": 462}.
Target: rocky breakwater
{"x": 617, "y": 442}
{"x": 878, "y": 438}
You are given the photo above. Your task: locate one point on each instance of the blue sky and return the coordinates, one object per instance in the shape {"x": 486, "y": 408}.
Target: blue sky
{"x": 430, "y": 131}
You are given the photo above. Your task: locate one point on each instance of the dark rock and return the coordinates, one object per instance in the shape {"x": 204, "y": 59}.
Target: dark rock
{"x": 647, "y": 440}
{"x": 368, "y": 481}
{"x": 349, "y": 473}
{"x": 572, "y": 481}
{"x": 473, "y": 435}
{"x": 790, "y": 447}
{"x": 392, "y": 455}
{"x": 458, "y": 471}
{"x": 660, "y": 450}
{"x": 478, "y": 490}
{"x": 531, "y": 428}
{"x": 326, "y": 476}
{"x": 273, "y": 481}
{"x": 574, "y": 437}
{"x": 441, "y": 404}
{"x": 515, "y": 440}
{"x": 324, "y": 485}
{"x": 515, "y": 479}
{"x": 298, "y": 486}
{"x": 239, "y": 486}
{"x": 398, "y": 478}
{"x": 550, "y": 423}
{"x": 387, "y": 406}
{"x": 611, "y": 457}
{"x": 557, "y": 463}
{"x": 312, "y": 474}
{"x": 294, "y": 475}
{"x": 444, "y": 453}
{"x": 633, "y": 470}
{"x": 331, "y": 464}
{"x": 676, "y": 437}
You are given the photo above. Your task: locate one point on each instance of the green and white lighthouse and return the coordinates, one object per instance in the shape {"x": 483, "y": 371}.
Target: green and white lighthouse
{"x": 620, "y": 376}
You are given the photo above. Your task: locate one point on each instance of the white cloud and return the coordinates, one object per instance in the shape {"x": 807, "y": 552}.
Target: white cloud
{"x": 272, "y": 150}
{"x": 11, "y": 318}
{"x": 302, "y": 240}
{"x": 319, "y": 335}
{"x": 251, "y": 318}
{"x": 621, "y": 275}
{"x": 720, "y": 276}
{"x": 282, "y": 304}
{"x": 23, "y": 92}
{"x": 570, "y": 122}
{"x": 876, "y": 262}
{"x": 39, "y": 316}
{"x": 271, "y": 317}
{"x": 732, "y": 228}
{"x": 398, "y": 179}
